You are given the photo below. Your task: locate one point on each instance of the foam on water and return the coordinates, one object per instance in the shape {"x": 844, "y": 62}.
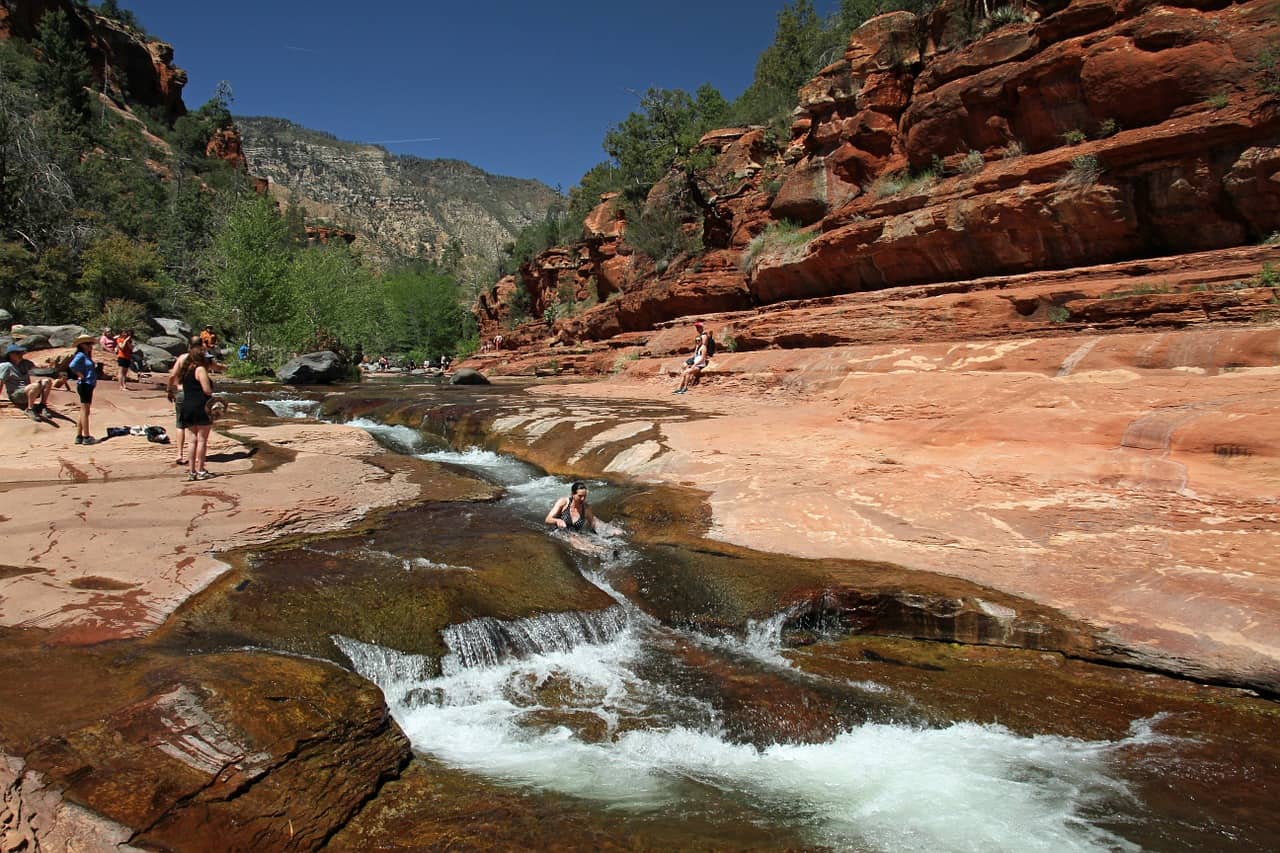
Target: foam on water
{"x": 887, "y": 787}
{"x": 292, "y": 408}
{"x": 504, "y": 469}
{"x": 399, "y": 438}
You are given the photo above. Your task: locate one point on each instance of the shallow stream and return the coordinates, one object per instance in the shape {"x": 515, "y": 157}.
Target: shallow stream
{"x": 741, "y": 735}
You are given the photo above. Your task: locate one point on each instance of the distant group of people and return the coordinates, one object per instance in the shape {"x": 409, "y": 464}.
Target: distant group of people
{"x": 122, "y": 345}
{"x": 382, "y": 364}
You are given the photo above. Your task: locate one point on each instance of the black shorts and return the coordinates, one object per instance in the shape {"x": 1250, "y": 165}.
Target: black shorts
{"x": 85, "y": 392}
{"x": 123, "y": 362}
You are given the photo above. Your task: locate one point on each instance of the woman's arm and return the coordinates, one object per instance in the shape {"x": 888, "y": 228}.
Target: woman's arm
{"x": 553, "y": 517}
{"x": 591, "y": 520}
{"x": 202, "y": 374}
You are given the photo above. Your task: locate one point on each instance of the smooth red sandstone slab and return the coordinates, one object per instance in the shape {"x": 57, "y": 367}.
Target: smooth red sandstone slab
{"x": 1129, "y": 480}
{"x": 104, "y": 542}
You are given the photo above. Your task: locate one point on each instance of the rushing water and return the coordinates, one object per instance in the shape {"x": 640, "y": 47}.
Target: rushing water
{"x": 291, "y": 408}
{"x": 608, "y": 707}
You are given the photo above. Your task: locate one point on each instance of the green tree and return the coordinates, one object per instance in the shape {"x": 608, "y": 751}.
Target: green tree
{"x": 424, "y": 311}
{"x": 784, "y": 66}
{"x": 114, "y": 267}
{"x": 36, "y": 156}
{"x": 64, "y": 68}
{"x": 249, "y": 265}
{"x": 331, "y": 295}
{"x": 661, "y": 134}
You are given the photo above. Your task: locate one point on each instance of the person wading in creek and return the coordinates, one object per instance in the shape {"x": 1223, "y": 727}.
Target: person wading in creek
{"x": 573, "y": 513}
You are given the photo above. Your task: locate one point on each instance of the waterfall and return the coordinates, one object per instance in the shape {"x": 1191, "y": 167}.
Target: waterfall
{"x": 289, "y": 408}
{"x": 487, "y": 641}
{"x": 384, "y": 666}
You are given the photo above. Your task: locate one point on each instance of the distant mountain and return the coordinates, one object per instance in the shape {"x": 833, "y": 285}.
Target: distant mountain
{"x": 400, "y": 206}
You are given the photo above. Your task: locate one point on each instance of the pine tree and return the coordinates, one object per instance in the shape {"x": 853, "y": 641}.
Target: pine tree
{"x": 64, "y": 69}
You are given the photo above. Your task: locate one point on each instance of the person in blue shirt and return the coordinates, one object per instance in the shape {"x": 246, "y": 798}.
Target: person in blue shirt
{"x": 86, "y": 373}
{"x": 243, "y": 352}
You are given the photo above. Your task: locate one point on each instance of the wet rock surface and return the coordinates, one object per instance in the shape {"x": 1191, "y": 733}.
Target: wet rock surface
{"x": 214, "y": 752}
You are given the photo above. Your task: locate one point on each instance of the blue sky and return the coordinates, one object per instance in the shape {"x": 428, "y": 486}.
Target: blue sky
{"x": 525, "y": 89}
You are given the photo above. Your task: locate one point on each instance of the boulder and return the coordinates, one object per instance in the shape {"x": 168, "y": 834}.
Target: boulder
{"x": 313, "y": 368}
{"x": 57, "y": 336}
{"x": 5, "y": 317}
{"x": 35, "y": 342}
{"x": 467, "y": 376}
{"x": 157, "y": 359}
{"x": 172, "y": 328}
{"x": 170, "y": 344}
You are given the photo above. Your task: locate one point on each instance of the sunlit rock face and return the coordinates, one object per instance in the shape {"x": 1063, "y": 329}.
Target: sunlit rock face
{"x": 945, "y": 149}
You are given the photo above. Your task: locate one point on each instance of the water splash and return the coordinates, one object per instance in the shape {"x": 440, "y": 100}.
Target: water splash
{"x": 877, "y": 786}
{"x": 487, "y": 641}
{"x": 401, "y": 439}
{"x": 296, "y": 409}
{"x": 504, "y": 469}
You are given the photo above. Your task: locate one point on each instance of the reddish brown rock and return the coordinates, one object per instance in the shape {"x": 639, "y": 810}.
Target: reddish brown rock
{"x": 122, "y": 60}
{"x": 227, "y": 145}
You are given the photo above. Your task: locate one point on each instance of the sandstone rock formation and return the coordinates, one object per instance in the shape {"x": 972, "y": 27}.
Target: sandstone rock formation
{"x": 401, "y": 206}
{"x": 937, "y": 150}
{"x": 128, "y": 65}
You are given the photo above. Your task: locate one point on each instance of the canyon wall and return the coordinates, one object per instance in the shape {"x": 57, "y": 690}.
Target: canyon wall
{"x": 949, "y": 149}
{"x": 402, "y": 207}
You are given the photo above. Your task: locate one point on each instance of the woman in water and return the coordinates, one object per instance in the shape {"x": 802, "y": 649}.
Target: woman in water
{"x": 573, "y": 513}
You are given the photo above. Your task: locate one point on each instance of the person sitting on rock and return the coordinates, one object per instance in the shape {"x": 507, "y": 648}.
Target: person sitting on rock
{"x": 573, "y": 513}
{"x": 695, "y": 364}
{"x": 29, "y": 395}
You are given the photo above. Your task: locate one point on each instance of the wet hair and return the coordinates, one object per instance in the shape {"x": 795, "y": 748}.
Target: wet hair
{"x": 195, "y": 358}
{"x": 577, "y": 487}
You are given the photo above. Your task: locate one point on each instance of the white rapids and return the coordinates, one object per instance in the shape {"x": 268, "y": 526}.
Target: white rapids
{"x": 511, "y": 697}
{"x": 887, "y": 787}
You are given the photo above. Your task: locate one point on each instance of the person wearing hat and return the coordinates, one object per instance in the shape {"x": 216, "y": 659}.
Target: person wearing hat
{"x": 27, "y": 394}
{"x": 86, "y": 373}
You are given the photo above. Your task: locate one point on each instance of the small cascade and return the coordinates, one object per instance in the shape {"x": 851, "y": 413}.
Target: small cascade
{"x": 296, "y": 409}
{"x": 384, "y": 666}
{"x": 487, "y": 641}
{"x": 401, "y": 439}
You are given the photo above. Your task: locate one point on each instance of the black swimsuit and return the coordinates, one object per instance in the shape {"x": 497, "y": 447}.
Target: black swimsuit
{"x": 569, "y": 523}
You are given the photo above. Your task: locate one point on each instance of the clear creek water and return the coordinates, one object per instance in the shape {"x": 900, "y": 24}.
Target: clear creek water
{"x": 612, "y": 708}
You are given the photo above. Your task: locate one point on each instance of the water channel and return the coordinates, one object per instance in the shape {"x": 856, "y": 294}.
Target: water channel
{"x": 749, "y": 735}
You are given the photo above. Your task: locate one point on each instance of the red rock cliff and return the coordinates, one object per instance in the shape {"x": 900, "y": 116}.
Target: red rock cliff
{"x": 123, "y": 61}
{"x": 941, "y": 150}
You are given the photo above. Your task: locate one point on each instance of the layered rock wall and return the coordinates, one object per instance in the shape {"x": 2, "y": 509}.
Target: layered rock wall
{"x": 400, "y": 206}
{"x": 943, "y": 150}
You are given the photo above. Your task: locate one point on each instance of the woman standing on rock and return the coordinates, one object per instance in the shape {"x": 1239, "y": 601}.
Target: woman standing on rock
{"x": 86, "y": 373}
{"x": 197, "y": 389}
{"x": 124, "y": 356}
